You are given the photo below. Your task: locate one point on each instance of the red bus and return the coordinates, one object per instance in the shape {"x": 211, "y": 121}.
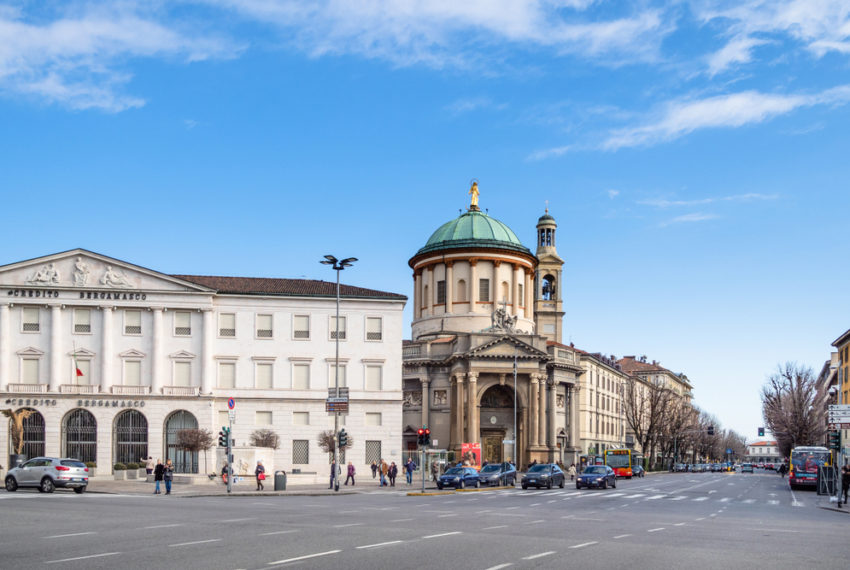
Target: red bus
{"x": 623, "y": 461}
{"x": 805, "y": 461}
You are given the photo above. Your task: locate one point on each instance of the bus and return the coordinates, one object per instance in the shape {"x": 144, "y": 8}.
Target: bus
{"x": 622, "y": 461}
{"x": 805, "y": 461}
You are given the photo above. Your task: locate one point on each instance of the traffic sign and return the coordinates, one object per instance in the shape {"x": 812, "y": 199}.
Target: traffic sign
{"x": 839, "y": 408}
{"x": 834, "y": 426}
{"x": 231, "y": 403}
{"x": 231, "y": 415}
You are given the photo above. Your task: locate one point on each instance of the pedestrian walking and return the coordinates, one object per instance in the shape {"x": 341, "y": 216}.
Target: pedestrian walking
{"x": 393, "y": 473}
{"x": 845, "y": 483}
{"x": 572, "y": 472}
{"x": 333, "y": 473}
{"x": 224, "y": 473}
{"x": 384, "y": 470}
{"x": 350, "y": 474}
{"x": 168, "y": 476}
{"x": 157, "y": 475}
{"x": 260, "y": 473}
{"x": 150, "y": 464}
{"x": 435, "y": 471}
{"x": 409, "y": 467}
{"x": 374, "y": 469}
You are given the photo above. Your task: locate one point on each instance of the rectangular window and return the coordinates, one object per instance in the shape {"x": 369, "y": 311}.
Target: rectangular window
{"x": 29, "y": 371}
{"x": 132, "y": 373}
{"x": 85, "y": 368}
{"x": 521, "y": 301}
{"x": 300, "y": 451}
{"x": 29, "y": 319}
{"x": 301, "y": 376}
{"x": 300, "y": 418}
{"x": 301, "y": 327}
{"x": 182, "y": 373}
{"x": 182, "y": 323}
{"x": 333, "y": 328}
{"x": 374, "y": 328}
{"x": 264, "y": 376}
{"x": 484, "y": 290}
{"x": 264, "y": 326}
{"x": 373, "y": 418}
{"x": 223, "y": 418}
{"x": 373, "y": 378}
{"x": 82, "y": 321}
{"x": 441, "y": 292}
{"x": 132, "y": 322}
{"x": 332, "y": 379}
{"x": 263, "y": 419}
{"x": 227, "y": 325}
{"x": 226, "y": 375}
{"x": 373, "y": 452}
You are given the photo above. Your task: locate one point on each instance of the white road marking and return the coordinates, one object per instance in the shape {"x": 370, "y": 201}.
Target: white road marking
{"x": 678, "y": 524}
{"x": 774, "y": 502}
{"x": 535, "y": 522}
{"x": 162, "y": 526}
{"x": 500, "y": 566}
{"x": 234, "y": 520}
{"x": 534, "y": 505}
{"x": 401, "y": 520}
{"x": 442, "y": 534}
{"x": 347, "y": 525}
{"x": 379, "y": 544}
{"x": 541, "y": 555}
{"x": 195, "y": 542}
{"x": 82, "y": 557}
{"x": 72, "y": 534}
{"x": 304, "y": 557}
{"x": 444, "y": 516}
{"x": 639, "y": 495}
{"x": 655, "y": 529}
{"x": 749, "y": 501}
{"x": 616, "y": 494}
{"x": 678, "y": 498}
{"x": 495, "y": 527}
{"x": 725, "y": 499}
{"x": 583, "y": 544}
{"x": 701, "y": 499}
{"x": 774, "y": 530}
{"x": 794, "y": 501}
{"x": 552, "y": 501}
{"x": 622, "y": 536}
{"x": 279, "y": 532}
{"x": 652, "y": 498}
{"x": 701, "y": 519}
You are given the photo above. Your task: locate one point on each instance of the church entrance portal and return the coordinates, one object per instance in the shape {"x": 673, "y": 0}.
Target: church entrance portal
{"x": 497, "y": 423}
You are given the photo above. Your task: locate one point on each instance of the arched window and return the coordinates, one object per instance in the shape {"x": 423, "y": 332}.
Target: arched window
{"x": 33, "y": 435}
{"x": 184, "y": 461}
{"x": 548, "y": 289}
{"x": 79, "y": 435}
{"x": 130, "y": 437}
{"x": 506, "y": 292}
{"x": 461, "y": 291}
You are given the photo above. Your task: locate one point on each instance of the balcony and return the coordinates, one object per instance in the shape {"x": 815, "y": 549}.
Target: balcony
{"x": 28, "y": 388}
{"x": 78, "y": 389}
{"x": 180, "y": 390}
{"x": 131, "y": 390}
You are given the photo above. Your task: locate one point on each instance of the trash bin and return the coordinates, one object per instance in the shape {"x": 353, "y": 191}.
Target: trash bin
{"x": 280, "y": 480}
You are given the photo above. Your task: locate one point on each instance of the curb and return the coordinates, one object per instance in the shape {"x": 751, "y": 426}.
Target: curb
{"x": 485, "y": 489}
{"x": 430, "y": 493}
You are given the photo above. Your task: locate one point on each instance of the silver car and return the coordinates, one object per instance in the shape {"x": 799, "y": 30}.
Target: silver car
{"x": 47, "y": 473}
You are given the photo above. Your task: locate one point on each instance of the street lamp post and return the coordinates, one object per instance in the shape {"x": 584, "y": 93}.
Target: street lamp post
{"x": 338, "y": 265}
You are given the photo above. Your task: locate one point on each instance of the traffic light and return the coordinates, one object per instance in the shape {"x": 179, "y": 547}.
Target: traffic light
{"x": 343, "y": 438}
{"x": 426, "y": 438}
{"x": 710, "y": 430}
{"x": 834, "y": 440}
{"x": 761, "y": 432}
{"x": 224, "y": 437}
{"x": 420, "y": 433}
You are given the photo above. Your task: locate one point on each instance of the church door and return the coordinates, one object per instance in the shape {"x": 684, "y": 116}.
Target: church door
{"x": 492, "y": 448}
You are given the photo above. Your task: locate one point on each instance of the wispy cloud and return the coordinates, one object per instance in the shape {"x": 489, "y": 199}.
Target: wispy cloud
{"x": 749, "y": 197}
{"x": 688, "y": 219}
{"x": 613, "y": 194}
{"x": 462, "y": 106}
{"x": 739, "y": 50}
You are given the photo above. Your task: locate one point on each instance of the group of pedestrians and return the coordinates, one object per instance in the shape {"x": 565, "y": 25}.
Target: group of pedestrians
{"x": 162, "y": 473}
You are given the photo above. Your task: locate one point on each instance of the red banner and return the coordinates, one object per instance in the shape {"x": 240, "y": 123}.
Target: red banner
{"x": 471, "y": 454}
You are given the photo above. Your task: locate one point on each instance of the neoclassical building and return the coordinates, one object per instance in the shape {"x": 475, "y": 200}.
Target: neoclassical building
{"x": 114, "y": 359}
{"x": 486, "y": 343}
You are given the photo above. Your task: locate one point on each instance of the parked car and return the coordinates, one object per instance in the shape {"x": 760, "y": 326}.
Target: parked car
{"x": 47, "y": 473}
{"x": 497, "y": 474}
{"x": 638, "y": 471}
{"x": 746, "y": 467}
{"x": 458, "y": 478}
{"x": 544, "y": 475}
{"x": 600, "y": 476}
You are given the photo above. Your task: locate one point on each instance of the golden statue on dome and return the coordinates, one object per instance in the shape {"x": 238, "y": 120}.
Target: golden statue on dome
{"x": 473, "y": 191}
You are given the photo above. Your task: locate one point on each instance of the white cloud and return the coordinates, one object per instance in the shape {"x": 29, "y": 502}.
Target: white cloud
{"x": 749, "y": 197}
{"x": 550, "y": 152}
{"x": 613, "y": 194}
{"x": 739, "y": 50}
{"x": 462, "y": 106}
{"x": 688, "y": 218}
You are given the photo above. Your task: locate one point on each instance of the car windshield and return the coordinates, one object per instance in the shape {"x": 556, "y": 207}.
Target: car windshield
{"x": 595, "y": 470}
{"x": 72, "y": 463}
{"x": 539, "y": 468}
{"x": 455, "y": 471}
{"x": 490, "y": 469}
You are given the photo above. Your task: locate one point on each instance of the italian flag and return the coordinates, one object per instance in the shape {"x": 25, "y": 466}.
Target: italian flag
{"x": 76, "y": 366}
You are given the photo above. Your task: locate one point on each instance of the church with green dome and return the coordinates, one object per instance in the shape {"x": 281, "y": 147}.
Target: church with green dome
{"x": 485, "y": 368}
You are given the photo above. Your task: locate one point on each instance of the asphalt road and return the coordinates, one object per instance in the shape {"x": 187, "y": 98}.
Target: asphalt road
{"x": 666, "y": 521}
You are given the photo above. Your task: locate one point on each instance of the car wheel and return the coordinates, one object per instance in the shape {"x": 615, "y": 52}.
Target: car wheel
{"x": 578, "y": 486}
{"x": 604, "y": 484}
{"x": 563, "y": 482}
{"x": 549, "y": 485}
{"x": 80, "y": 490}
{"x": 47, "y": 485}
{"x": 524, "y": 487}
{"x": 614, "y": 484}
{"x": 460, "y": 485}
{"x": 440, "y": 487}
{"x": 477, "y": 484}
{"x": 11, "y": 484}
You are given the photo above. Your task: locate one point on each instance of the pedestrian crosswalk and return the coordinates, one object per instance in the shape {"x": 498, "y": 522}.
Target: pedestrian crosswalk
{"x": 660, "y": 497}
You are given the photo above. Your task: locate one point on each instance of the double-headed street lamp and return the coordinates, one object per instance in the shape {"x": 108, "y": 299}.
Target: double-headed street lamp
{"x": 338, "y": 265}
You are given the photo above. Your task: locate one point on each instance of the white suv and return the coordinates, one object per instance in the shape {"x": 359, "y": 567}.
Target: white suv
{"x": 47, "y": 473}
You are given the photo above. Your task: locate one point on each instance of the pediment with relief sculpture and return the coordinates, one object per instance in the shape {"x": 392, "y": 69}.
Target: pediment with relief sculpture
{"x": 506, "y": 347}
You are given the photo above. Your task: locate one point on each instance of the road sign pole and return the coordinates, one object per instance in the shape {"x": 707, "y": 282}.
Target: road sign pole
{"x": 227, "y": 451}
{"x": 422, "y": 466}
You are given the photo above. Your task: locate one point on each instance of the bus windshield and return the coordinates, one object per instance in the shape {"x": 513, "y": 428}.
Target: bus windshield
{"x": 618, "y": 460}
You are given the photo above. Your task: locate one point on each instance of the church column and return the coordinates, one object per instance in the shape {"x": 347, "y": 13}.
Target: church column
{"x": 515, "y": 288}
{"x": 496, "y": 287}
{"x": 106, "y": 356}
{"x": 533, "y": 415}
{"x": 529, "y": 295}
{"x": 458, "y": 409}
{"x": 207, "y": 352}
{"x": 473, "y": 285}
{"x": 553, "y": 416}
{"x": 573, "y": 403}
{"x": 541, "y": 426}
{"x": 432, "y": 293}
{"x": 55, "y": 347}
{"x": 426, "y": 402}
{"x": 156, "y": 352}
{"x": 449, "y": 286}
{"x": 472, "y": 407}
{"x": 417, "y": 294}
{"x": 5, "y": 350}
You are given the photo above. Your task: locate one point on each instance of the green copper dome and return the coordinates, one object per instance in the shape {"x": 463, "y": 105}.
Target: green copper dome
{"x": 473, "y": 229}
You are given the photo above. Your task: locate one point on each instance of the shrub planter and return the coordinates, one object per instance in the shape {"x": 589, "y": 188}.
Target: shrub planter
{"x": 132, "y": 473}
{"x": 120, "y": 475}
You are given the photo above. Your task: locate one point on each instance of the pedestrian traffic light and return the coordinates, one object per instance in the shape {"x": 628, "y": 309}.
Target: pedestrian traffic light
{"x": 761, "y": 432}
{"x": 710, "y": 430}
{"x": 420, "y": 433}
{"x": 834, "y": 438}
{"x": 343, "y": 438}
{"x": 224, "y": 437}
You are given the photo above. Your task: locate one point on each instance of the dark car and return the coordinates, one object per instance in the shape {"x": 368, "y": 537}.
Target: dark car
{"x": 497, "y": 474}
{"x": 47, "y": 473}
{"x": 458, "y": 478}
{"x": 543, "y": 475}
{"x": 600, "y": 476}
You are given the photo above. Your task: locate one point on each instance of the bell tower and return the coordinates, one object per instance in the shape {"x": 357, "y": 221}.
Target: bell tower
{"x": 548, "y": 302}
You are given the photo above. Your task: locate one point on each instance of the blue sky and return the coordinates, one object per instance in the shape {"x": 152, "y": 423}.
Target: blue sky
{"x": 694, "y": 154}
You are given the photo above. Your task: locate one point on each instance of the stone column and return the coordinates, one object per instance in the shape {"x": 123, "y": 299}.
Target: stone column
{"x": 55, "y": 347}
{"x": 515, "y": 288}
{"x": 106, "y": 356}
{"x": 495, "y": 286}
{"x": 449, "y": 286}
{"x": 529, "y": 295}
{"x": 473, "y": 285}
{"x": 426, "y": 402}
{"x": 575, "y": 427}
{"x": 541, "y": 425}
{"x": 156, "y": 352}
{"x": 533, "y": 415}
{"x": 458, "y": 409}
{"x": 5, "y": 350}
{"x": 417, "y": 294}
{"x": 207, "y": 367}
{"x": 432, "y": 294}
{"x": 472, "y": 408}
{"x": 553, "y": 417}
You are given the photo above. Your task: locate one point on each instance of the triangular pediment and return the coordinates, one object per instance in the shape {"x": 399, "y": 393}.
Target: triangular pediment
{"x": 181, "y": 354}
{"x": 132, "y": 353}
{"x": 30, "y": 351}
{"x": 506, "y": 347}
{"x": 79, "y": 269}
{"x": 81, "y": 353}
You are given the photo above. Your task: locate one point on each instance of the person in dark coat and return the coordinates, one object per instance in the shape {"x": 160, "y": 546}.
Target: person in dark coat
{"x": 845, "y": 483}
{"x": 350, "y": 474}
{"x": 374, "y": 470}
{"x": 168, "y": 476}
{"x": 260, "y": 470}
{"x": 333, "y": 474}
{"x": 409, "y": 467}
{"x": 157, "y": 475}
{"x": 392, "y": 473}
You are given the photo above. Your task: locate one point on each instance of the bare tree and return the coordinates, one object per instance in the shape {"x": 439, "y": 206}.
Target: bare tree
{"x": 645, "y": 405}
{"x": 679, "y": 421}
{"x": 327, "y": 443}
{"x": 265, "y": 438}
{"x": 195, "y": 440}
{"x": 788, "y": 399}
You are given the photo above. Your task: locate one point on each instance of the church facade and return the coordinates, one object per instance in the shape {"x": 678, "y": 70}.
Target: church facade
{"x": 485, "y": 364}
